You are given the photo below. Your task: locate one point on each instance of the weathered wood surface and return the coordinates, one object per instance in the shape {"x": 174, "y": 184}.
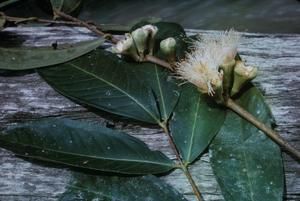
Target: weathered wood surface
{"x": 26, "y": 96}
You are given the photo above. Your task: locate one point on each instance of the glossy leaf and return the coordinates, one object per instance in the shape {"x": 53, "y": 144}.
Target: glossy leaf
{"x": 7, "y": 3}
{"x": 247, "y": 164}
{"x": 91, "y": 187}
{"x": 84, "y": 145}
{"x": 196, "y": 120}
{"x": 102, "y": 80}
{"x": 23, "y": 58}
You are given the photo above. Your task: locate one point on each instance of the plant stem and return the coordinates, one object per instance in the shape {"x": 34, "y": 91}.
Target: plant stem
{"x": 183, "y": 167}
{"x": 155, "y": 60}
{"x": 87, "y": 25}
{"x": 21, "y": 19}
{"x": 268, "y": 131}
{"x": 95, "y": 29}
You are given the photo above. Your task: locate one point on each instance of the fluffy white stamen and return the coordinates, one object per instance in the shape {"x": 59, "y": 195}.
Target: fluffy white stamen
{"x": 201, "y": 66}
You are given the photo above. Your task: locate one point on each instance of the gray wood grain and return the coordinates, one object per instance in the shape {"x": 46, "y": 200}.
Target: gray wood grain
{"x": 25, "y": 96}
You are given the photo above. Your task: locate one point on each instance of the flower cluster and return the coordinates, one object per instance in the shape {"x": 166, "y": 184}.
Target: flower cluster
{"x": 211, "y": 63}
{"x": 140, "y": 43}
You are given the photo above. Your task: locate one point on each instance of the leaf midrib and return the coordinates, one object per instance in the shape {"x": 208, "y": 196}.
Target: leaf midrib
{"x": 247, "y": 167}
{"x": 92, "y": 157}
{"x": 161, "y": 95}
{"x": 119, "y": 89}
{"x": 193, "y": 129}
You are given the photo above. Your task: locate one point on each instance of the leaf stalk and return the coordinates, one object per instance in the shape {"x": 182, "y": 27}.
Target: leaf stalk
{"x": 87, "y": 25}
{"x": 183, "y": 166}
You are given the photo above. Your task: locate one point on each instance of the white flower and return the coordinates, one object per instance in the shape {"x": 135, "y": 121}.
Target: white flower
{"x": 201, "y": 66}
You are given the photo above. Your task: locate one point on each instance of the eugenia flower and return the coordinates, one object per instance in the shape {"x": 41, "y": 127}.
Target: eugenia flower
{"x": 201, "y": 66}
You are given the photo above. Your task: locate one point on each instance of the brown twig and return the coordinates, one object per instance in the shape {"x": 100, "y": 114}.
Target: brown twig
{"x": 34, "y": 19}
{"x": 268, "y": 131}
{"x": 182, "y": 165}
{"x": 155, "y": 60}
{"x": 95, "y": 29}
{"x": 87, "y": 25}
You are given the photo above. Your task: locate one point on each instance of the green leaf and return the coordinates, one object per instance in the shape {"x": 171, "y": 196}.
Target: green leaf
{"x": 66, "y": 6}
{"x": 247, "y": 164}
{"x": 196, "y": 120}
{"x": 91, "y": 187}
{"x": 84, "y": 145}
{"x": 8, "y": 2}
{"x": 23, "y": 58}
{"x": 102, "y": 80}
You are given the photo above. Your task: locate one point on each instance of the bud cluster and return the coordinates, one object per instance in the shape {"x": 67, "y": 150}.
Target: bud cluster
{"x": 140, "y": 43}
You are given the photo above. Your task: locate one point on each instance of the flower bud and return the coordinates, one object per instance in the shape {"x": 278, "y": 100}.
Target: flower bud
{"x": 227, "y": 69}
{"x": 152, "y": 32}
{"x": 126, "y": 47}
{"x": 242, "y": 75}
{"x": 140, "y": 38}
{"x": 168, "y": 48}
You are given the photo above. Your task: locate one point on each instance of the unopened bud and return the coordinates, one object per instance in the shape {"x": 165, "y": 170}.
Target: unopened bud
{"x": 140, "y": 38}
{"x": 126, "y": 47}
{"x": 227, "y": 69}
{"x": 242, "y": 75}
{"x": 152, "y": 32}
{"x": 168, "y": 48}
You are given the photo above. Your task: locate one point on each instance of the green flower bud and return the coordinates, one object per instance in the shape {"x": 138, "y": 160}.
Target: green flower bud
{"x": 126, "y": 47}
{"x": 227, "y": 69}
{"x": 152, "y": 32}
{"x": 242, "y": 75}
{"x": 168, "y": 48}
{"x": 140, "y": 38}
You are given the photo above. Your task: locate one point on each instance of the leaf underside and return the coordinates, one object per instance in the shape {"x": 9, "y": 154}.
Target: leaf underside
{"x": 84, "y": 145}
{"x": 247, "y": 164}
{"x": 23, "y": 58}
{"x": 91, "y": 187}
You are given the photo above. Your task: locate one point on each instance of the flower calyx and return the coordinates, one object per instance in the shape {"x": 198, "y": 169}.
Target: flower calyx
{"x": 242, "y": 75}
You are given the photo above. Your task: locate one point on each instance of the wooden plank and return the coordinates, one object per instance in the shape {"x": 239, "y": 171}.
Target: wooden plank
{"x": 25, "y": 96}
